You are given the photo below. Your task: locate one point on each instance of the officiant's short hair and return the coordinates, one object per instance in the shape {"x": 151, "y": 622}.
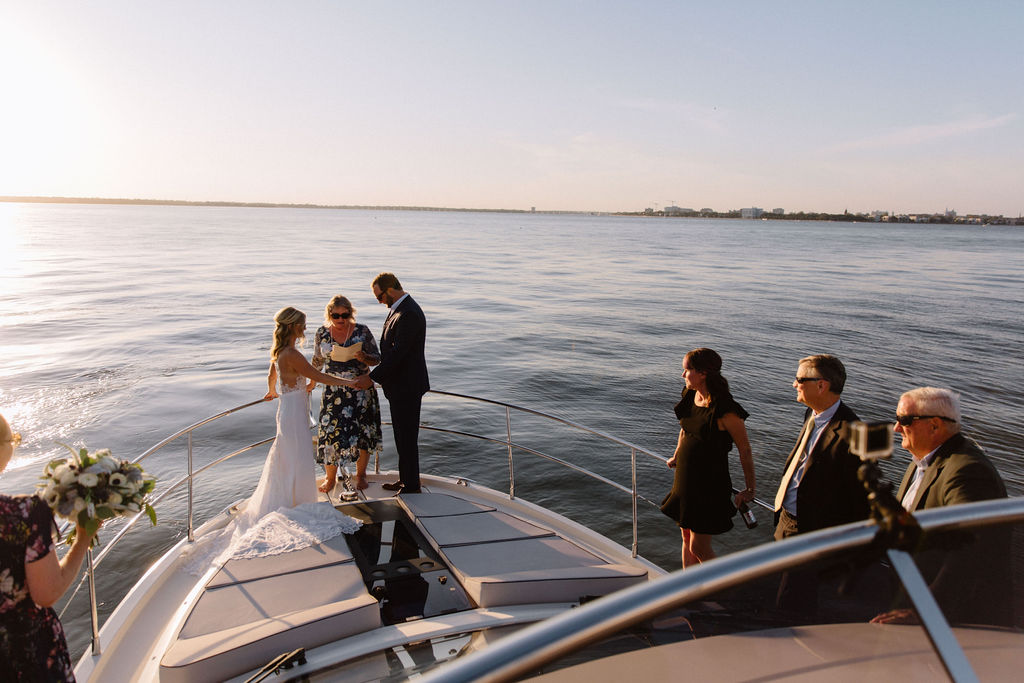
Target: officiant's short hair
{"x": 335, "y": 302}
{"x": 386, "y": 281}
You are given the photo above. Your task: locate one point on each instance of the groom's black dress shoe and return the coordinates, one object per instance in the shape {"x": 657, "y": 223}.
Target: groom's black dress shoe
{"x": 396, "y": 486}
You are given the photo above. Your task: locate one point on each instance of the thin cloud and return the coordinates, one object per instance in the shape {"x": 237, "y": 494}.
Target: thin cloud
{"x": 917, "y": 135}
{"x": 709, "y": 118}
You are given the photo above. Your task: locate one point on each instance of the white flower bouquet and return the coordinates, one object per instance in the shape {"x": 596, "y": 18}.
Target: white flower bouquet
{"x": 89, "y": 487}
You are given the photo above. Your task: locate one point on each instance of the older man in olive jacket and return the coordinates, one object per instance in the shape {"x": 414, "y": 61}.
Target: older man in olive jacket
{"x": 970, "y": 579}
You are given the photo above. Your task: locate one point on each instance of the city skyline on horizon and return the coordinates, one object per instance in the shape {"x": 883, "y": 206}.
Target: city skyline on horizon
{"x": 657, "y": 209}
{"x": 596, "y": 108}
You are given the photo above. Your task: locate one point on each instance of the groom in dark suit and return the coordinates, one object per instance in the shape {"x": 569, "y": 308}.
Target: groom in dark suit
{"x": 402, "y": 373}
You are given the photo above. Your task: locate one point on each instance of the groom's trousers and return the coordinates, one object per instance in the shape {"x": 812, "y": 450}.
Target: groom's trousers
{"x": 405, "y": 422}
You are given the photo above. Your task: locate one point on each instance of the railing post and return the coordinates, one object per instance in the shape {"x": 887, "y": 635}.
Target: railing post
{"x": 636, "y": 538}
{"x": 511, "y": 464}
{"x": 96, "y": 649}
{"x": 191, "y": 537}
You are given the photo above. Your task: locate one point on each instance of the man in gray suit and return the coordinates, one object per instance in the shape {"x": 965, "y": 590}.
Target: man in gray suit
{"x": 970, "y": 581}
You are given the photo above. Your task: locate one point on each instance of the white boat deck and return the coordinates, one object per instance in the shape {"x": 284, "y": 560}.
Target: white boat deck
{"x": 472, "y": 550}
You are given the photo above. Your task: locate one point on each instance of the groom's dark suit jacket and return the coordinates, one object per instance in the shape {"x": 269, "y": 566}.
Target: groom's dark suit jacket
{"x": 402, "y": 371}
{"x": 969, "y": 575}
{"x": 830, "y": 493}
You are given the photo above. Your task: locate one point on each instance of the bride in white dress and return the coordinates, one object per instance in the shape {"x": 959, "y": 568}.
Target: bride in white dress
{"x": 288, "y": 479}
{"x": 283, "y": 514}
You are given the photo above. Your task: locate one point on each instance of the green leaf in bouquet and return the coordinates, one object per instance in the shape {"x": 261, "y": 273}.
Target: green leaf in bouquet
{"x": 151, "y": 513}
{"x": 52, "y": 465}
{"x": 105, "y": 512}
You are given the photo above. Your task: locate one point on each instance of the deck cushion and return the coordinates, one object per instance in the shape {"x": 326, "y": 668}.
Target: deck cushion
{"x": 482, "y": 527}
{"x": 332, "y": 551}
{"x": 240, "y": 626}
{"x": 440, "y": 505}
{"x": 536, "y": 570}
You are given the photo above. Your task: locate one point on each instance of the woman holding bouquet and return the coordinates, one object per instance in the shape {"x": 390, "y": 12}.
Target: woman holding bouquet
{"x": 32, "y": 579}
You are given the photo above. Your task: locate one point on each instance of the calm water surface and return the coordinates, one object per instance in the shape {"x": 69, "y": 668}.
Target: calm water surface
{"x": 123, "y": 323}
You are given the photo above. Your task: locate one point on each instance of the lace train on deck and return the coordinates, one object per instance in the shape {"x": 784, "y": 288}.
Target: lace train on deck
{"x": 289, "y": 529}
{"x": 281, "y": 531}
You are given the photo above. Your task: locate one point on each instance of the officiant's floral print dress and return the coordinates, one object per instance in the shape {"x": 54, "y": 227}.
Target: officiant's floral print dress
{"x": 349, "y": 418}
{"x": 32, "y": 645}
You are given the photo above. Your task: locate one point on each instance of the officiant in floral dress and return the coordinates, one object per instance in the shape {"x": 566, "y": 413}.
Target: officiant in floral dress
{"x": 349, "y": 426}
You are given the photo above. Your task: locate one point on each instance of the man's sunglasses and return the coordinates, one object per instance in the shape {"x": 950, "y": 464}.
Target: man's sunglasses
{"x": 907, "y": 420}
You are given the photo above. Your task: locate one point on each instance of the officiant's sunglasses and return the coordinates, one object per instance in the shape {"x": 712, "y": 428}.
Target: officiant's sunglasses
{"x": 907, "y": 420}
{"x": 346, "y": 315}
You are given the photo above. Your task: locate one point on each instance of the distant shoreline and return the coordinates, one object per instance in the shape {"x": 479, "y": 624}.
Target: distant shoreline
{"x": 648, "y": 213}
{"x": 257, "y": 205}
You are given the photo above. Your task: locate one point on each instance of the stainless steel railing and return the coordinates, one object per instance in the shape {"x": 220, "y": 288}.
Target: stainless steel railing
{"x": 92, "y": 563}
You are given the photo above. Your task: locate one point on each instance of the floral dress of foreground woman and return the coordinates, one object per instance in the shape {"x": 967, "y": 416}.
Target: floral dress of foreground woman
{"x": 32, "y": 579}
{"x": 32, "y": 646}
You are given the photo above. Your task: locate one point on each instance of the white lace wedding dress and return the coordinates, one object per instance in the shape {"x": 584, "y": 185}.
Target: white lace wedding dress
{"x": 283, "y": 514}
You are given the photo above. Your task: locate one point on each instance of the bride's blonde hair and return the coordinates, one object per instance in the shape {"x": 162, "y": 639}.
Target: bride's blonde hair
{"x": 287, "y": 318}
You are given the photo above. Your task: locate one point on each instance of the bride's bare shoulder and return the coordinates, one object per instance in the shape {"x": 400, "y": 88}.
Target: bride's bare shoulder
{"x": 288, "y": 356}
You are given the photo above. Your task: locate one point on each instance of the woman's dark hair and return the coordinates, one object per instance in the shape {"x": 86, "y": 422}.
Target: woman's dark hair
{"x": 710, "y": 363}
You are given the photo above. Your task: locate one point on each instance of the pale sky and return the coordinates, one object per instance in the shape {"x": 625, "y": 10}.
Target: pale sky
{"x": 900, "y": 105}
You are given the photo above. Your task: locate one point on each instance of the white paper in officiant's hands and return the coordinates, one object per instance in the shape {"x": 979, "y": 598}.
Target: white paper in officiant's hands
{"x": 341, "y": 353}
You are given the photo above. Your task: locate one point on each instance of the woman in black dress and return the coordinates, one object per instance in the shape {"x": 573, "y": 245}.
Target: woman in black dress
{"x": 710, "y": 422}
